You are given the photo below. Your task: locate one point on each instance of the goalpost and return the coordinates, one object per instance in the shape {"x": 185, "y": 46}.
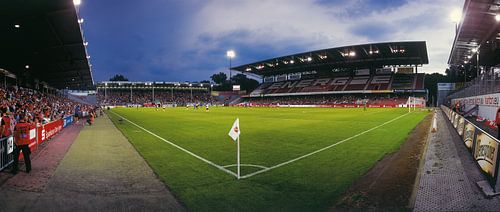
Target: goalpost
{"x": 413, "y": 102}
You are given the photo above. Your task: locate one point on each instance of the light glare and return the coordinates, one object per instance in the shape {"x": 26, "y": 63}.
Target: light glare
{"x": 456, "y": 15}
{"x": 231, "y": 54}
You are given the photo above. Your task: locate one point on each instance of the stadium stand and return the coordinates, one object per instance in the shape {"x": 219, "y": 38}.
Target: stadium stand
{"x": 344, "y": 84}
{"x": 40, "y": 58}
{"x": 348, "y": 76}
{"x": 150, "y": 94}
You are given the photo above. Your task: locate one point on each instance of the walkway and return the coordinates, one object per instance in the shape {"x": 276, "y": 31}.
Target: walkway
{"x": 449, "y": 175}
{"x": 100, "y": 172}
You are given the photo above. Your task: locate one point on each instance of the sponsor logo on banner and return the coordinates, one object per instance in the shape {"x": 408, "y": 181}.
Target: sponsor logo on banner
{"x": 483, "y": 100}
{"x": 469, "y": 135}
{"x": 32, "y": 133}
{"x": 446, "y": 86}
{"x": 485, "y": 153}
{"x": 10, "y": 145}
{"x": 455, "y": 122}
{"x": 460, "y": 127}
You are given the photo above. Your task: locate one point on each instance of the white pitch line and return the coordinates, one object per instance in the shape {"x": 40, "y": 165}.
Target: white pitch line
{"x": 178, "y": 147}
{"x": 250, "y": 165}
{"x": 319, "y": 150}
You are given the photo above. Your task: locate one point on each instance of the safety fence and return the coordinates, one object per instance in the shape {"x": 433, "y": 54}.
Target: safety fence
{"x": 6, "y": 150}
{"x": 482, "y": 146}
{"x": 488, "y": 82}
{"x": 38, "y": 135}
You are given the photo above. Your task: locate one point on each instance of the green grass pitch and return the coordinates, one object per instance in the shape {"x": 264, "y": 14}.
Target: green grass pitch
{"x": 269, "y": 136}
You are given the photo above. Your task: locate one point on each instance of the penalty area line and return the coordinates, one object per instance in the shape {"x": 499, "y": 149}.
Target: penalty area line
{"x": 320, "y": 150}
{"x": 179, "y": 147}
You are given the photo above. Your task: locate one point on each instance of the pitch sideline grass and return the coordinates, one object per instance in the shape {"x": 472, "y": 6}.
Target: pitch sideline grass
{"x": 269, "y": 136}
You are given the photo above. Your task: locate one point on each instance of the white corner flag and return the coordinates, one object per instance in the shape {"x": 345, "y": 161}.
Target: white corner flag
{"x": 234, "y": 133}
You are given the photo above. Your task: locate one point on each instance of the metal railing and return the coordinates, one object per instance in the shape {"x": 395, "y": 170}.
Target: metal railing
{"x": 487, "y": 83}
{"x": 6, "y": 152}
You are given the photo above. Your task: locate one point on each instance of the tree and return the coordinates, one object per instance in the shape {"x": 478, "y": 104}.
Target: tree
{"x": 431, "y": 81}
{"x": 118, "y": 77}
{"x": 219, "y": 78}
{"x": 245, "y": 82}
{"x": 204, "y": 81}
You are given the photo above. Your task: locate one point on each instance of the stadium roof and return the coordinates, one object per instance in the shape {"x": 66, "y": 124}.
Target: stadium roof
{"x": 357, "y": 56}
{"x": 479, "y": 29}
{"x": 43, "y": 40}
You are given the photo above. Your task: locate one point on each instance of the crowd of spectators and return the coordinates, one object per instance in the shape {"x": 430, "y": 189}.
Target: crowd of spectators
{"x": 326, "y": 100}
{"x": 146, "y": 97}
{"x": 36, "y": 106}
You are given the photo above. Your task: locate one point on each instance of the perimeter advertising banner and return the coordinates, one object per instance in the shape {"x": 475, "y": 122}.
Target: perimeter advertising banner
{"x": 469, "y": 135}
{"x": 48, "y": 130}
{"x": 483, "y": 100}
{"x": 485, "y": 153}
{"x": 67, "y": 121}
{"x": 460, "y": 126}
{"x": 455, "y": 121}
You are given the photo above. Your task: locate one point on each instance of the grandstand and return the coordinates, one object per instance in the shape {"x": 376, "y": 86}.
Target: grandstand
{"x": 40, "y": 57}
{"x": 474, "y": 108}
{"x": 378, "y": 74}
{"x": 147, "y": 94}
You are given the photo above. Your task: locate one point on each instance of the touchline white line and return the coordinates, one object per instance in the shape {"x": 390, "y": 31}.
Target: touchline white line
{"x": 178, "y": 147}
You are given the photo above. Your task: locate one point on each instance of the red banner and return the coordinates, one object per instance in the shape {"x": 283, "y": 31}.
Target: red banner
{"x": 47, "y": 131}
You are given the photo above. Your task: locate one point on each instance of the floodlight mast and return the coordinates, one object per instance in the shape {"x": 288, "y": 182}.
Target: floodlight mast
{"x": 231, "y": 54}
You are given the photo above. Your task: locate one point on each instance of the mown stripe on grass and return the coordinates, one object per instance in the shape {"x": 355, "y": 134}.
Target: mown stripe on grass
{"x": 264, "y": 169}
{"x": 320, "y": 150}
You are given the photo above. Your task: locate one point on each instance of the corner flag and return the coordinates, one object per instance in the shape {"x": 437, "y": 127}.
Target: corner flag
{"x": 235, "y": 131}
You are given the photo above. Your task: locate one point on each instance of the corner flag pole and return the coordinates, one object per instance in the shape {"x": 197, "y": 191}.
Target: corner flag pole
{"x": 234, "y": 133}
{"x": 238, "y": 156}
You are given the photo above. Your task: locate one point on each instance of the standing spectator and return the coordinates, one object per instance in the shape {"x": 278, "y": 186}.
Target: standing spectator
{"x": 22, "y": 141}
{"x": 6, "y": 124}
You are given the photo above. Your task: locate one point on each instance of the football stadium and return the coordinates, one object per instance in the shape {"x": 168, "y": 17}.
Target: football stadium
{"x": 363, "y": 124}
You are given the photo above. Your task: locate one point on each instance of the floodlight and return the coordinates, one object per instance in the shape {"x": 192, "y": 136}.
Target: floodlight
{"x": 17, "y": 26}
{"x": 27, "y": 66}
{"x": 77, "y": 2}
{"x": 291, "y": 61}
{"x": 469, "y": 57}
{"x": 465, "y": 61}
{"x": 309, "y": 59}
{"x": 230, "y": 54}
{"x": 456, "y": 15}
{"x": 80, "y": 20}
{"x": 352, "y": 53}
{"x": 497, "y": 17}
{"x": 474, "y": 50}
{"x": 85, "y": 43}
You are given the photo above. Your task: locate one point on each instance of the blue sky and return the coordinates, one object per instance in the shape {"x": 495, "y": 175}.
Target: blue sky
{"x": 186, "y": 40}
